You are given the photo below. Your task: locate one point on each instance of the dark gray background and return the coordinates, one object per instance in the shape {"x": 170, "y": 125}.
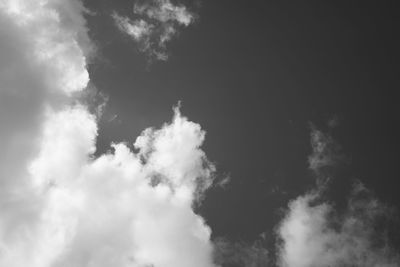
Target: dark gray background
{"x": 254, "y": 74}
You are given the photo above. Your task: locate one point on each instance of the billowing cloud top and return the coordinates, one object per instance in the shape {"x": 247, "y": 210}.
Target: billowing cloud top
{"x": 156, "y": 23}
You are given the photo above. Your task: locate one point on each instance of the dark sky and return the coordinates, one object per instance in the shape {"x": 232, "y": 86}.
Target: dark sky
{"x": 255, "y": 74}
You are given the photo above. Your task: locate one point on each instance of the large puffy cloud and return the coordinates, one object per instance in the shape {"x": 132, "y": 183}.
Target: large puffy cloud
{"x": 109, "y": 211}
{"x": 156, "y": 23}
{"x": 60, "y": 206}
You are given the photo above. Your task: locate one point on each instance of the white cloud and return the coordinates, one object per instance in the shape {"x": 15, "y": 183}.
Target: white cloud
{"x": 107, "y": 211}
{"x": 136, "y": 29}
{"x": 42, "y": 62}
{"x": 158, "y": 24}
{"x": 59, "y": 205}
{"x": 164, "y": 11}
{"x": 313, "y": 233}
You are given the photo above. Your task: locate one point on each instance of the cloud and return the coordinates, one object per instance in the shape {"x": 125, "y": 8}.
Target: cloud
{"x": 164, "y": 11}
{"x": 316, "y": 233}
{"x": 157, "y": 23}
{"x": 42, "y": 63}
{"x": 313, "y": 233}
{"x": 61, "y": 206}
{"x": 138, "y": 30}
{"x": 224, "y": 181}
{"x": 109, "y": 211}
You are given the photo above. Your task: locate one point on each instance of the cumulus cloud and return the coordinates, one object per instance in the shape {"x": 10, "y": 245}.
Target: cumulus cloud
{"x": 109, "y": 211}
{"x": 61, "y": 206}
{"x": 156, "y": 23}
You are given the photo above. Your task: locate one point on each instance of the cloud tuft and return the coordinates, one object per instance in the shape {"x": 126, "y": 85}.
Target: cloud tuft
{"x": 313, "y": 233}
{"x": 156, "y": 23}
{"x": 326, "y": 153}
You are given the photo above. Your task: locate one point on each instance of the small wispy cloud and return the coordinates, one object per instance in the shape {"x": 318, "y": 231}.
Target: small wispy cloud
{"x": 223, "y": 182}
{"x": 138, "y": 30}
{"x": 314, "y": 233}
{"x": 155, "y": 23}
{"x": 326, "y": 152}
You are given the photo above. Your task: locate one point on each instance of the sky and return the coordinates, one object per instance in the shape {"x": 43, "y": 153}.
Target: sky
{"x": 198, "y": 133}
